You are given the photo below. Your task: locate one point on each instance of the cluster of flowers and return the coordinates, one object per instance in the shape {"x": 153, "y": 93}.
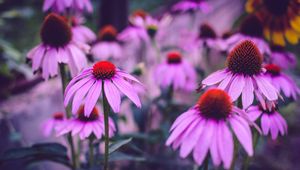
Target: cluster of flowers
{"x": 246, "y": 91}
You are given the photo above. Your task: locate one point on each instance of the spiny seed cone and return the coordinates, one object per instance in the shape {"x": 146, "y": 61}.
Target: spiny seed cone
{"x": 55, "y": 31}
{"x": 245, "y": 59}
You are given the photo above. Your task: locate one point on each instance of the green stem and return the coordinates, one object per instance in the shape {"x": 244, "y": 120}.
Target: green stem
{"x": 248, "y": 159}
{"x": 106, "y": 109}
{"x": 235, "y": 154}
{"x": 155, "y": 46}
{"x": 91, "y": 151}
{"x": 205, "y": 165}
{"x": 65, "y": 80}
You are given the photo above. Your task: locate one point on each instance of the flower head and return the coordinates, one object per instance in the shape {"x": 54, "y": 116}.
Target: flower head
{"x": 271, "y": 120}
{"x": 176, "y": 71}
{"x": 57, "y": 47}
{"x": 281, "y": 81}
{"x": 88, "y": 85}
{"x": 85, "y": 126}
{"x": 53, "y": 123}
{"x": 251, "y": 28}
{"x": 62, "y": 5}
{"x": 204, "y": 128}
{"x": 280, "y": 19}
{"x": 244, "y": 76}
{"x": 283, "y": 58}
{"x": 108, "y": 46}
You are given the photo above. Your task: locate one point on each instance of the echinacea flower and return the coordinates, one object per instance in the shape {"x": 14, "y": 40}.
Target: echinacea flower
{"x": 281, "y": 19}
{"x": 283, "y": 58}
{"x": 244, "y": 76}
{"x": 107, "y": 46}
{"x": 251, "y": 28}
{"x": 53, "y": 123}
{"x": 208, "y": 38}
{"x": 175, "y": 71}
{"x": 80, "y": 32}
{"x": 62, "y": 5}
{"x": 85, "y": 126}
{"x": 205, "y": 128}
{"x": 57, "y": 47}
{"x": 88, "y": 85}
{"x": 271, "y": 120}
{"x": 281, "y": 81}
{"x": 191, "y": 6}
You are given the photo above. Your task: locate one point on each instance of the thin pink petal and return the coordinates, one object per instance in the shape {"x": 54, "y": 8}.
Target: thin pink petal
{"x": 113, "y": 95}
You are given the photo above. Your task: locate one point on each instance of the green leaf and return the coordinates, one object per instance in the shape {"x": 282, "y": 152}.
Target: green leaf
{"x": 113, "y": 147}
{"x": 119, "y": 156}
{"x": 39, "y": 152}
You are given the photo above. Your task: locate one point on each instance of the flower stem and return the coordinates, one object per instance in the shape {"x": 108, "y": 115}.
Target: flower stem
{"x": 65, "y": 80}
{"x": 235, "y": 153}
{"x": 205, "y": 165}
{"x": 106, "y": 109}
{"x": 248, "y": 159}
{"x": 91, "y": 151}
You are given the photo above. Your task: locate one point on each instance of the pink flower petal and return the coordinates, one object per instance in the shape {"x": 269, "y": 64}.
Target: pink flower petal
{"x": 266, "y": 88}
{"x": 225, "y": 143}
{"x": 112, "y": 95}
{"x": 92, "y": 97}
{"x": 265, "y": 124}
{"x": 215, "y": 78}
{"x": 236, "y": 87}
{"x": 248, "y": 93}
{"x": 127, "y": 89}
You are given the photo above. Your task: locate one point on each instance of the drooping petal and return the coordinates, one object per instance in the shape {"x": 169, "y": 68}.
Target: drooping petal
{"x": 225, "y": 143}
{"x": 92, "y": 97}
{"x": 215, "y": 78}
{"x": 112, "y": 95}
{"x": 79, "y": 95}
{"x": 248, "y": 93}
{"x": 265, "y": 124}
{"x": 127, "y": 89}
{"x": 236, "y": 87}
{"x": 266, "y": 88}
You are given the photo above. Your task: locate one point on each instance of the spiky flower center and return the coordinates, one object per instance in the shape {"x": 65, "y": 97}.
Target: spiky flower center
{"x": 206, "y": 31}
{"x": 108, "y": 33}
{"x": 104, "y": 70}
{"x": 140, "y": 13}
{"x": 252, "y": 26}
{"x": 273, "y": 69}
{"x": 277, "y": 7}
{"x": 58, "y": 116}
{"x": 245, "y": 59}
{"x": 93, "y": 116}
{"x": 55, "y": 31}
{"x": 174, "y": 57}
{"x": 215, "y": 104}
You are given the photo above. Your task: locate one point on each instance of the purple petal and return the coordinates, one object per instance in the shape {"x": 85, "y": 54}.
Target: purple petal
{"x": 214, "y": 149}
{"x": 241, "y": 130}
{"x": 215, "y": 78}
{"x": 265, "y": 124}
{"x": 112, "y": 95}
{"x": 266, "y": 88}
{"x": 236, "y": 87}
{"x": 225, "y": 142}
{"x": 92, "y": 97}
{"x": 127, "y": 89}
{"x": 248, "y": 93}
{"x": 224, "y": 84}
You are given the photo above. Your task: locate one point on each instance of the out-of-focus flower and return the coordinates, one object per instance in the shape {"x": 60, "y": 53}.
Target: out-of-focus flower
{"x": 204, "y": 128}
{"x": 271, "y": 120}
{"x": 88, "y": 85}
{"x": 108, "y": 46}
{"x": 283, "y": 58}
{"x": 244, "y": 76}
{"x": 281, "y": 81}
{"x": 80, "y": 32}
{"x": 281, "y": 19}
{"x": 251, "y": 28}
{"x": 57, "y": 47}
{"x": 53, "y": 124}
{"x": 62, "y": 5}
{"x": 175, "y": 71}
{"x": 191, "y": 6}
{"x": 85, "y": 126}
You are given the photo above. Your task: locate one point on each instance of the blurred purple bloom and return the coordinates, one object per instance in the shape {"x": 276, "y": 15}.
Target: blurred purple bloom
{"x": 282, "y": 58}
{"x": 62, "y": 5}
{"x": 271, "y": 121}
